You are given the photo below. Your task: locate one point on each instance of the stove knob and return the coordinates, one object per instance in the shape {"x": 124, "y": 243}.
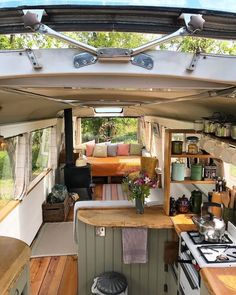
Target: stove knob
{"x": 183, "y": 243}
{"x": 188, "y": 252}
{"x": 194, "y": 262}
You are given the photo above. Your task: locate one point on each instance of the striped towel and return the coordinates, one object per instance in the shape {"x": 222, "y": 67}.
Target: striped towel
{"x": 113, "y": 192}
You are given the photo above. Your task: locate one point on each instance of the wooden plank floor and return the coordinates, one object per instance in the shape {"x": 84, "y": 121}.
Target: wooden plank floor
{"x": 55, "y": 275}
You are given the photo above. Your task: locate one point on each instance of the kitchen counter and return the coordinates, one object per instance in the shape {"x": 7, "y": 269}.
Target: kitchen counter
{"x": 220, "y": 280}
{"x": 153, "y": 217}
{"x": 14, "y": 255}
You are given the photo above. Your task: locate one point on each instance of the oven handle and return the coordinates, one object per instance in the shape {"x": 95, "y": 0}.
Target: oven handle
{"x": 185, "y": 261}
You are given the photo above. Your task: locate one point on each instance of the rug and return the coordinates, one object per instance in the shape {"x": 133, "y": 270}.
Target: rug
{"x": 55, "y": 239}
{"x": 109, "y": 192}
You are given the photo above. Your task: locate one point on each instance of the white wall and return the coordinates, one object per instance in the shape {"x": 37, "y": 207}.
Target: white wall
{"x": 24, "y": 221}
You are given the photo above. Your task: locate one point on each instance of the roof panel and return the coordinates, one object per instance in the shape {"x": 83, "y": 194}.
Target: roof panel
{"x": 224, "y": 5}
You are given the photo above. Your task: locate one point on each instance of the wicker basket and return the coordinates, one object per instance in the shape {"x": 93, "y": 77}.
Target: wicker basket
{"x": 56, "y": 212}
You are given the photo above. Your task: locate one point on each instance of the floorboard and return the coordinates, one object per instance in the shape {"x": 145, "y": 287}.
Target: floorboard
{"x": 54, "y": 275}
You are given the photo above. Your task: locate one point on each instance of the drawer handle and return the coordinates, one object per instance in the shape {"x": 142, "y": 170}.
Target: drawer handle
{"x": 17, "y": 292}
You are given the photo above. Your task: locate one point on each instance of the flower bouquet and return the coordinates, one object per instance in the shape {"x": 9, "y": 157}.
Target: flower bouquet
{"x": 138, "y": 189}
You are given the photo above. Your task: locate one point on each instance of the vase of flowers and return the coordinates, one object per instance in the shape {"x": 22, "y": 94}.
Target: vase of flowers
{"x": 138, "y": 189}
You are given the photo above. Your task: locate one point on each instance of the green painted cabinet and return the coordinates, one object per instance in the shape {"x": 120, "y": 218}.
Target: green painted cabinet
{"x": 98, "y": 254}
{"x": 21, "y": 285}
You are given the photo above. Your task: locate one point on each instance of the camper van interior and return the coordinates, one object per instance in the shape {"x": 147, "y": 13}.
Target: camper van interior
{"x": 117, "y": 162}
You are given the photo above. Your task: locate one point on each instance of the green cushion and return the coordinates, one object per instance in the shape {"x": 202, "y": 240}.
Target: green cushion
{"x": 135, "y": 149}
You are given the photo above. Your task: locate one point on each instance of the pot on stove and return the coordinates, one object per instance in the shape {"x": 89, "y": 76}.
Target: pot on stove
{"x": 210, "y": 226}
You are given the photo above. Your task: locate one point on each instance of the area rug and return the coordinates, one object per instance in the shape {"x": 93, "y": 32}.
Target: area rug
{"x": 55, "y": 239}
{"x": 112, "y": 191}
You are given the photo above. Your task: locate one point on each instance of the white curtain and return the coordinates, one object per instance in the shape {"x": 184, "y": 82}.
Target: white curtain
{"x": 22, "y": 165}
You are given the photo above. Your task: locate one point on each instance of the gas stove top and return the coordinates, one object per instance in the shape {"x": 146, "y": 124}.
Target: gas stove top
{"x": 208, "y": 254}
{"x": 218, "y": 253}
{"x": 198, "y": 239}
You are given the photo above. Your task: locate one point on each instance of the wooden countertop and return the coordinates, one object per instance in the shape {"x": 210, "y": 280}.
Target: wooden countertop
{"x": 153, "y": 217}
{"x": 14, "y": 254}
{"x": 220, "y": 280}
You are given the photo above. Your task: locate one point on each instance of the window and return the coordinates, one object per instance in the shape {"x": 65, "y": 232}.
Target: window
{"x": 114, "y": 129}
{"x": 40, "y": 151}
{"x": 230, "y": 174}
{"x": 7, "y": 170}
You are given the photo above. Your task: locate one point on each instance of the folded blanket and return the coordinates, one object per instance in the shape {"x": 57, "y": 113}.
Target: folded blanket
{"x": 134, "y": 242}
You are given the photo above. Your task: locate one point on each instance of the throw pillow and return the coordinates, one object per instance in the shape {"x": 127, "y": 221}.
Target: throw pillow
{"x": 82, "y": 146}
{"x": 123, "y": 149}
{"x": 135, "y": 149}
{"x": 100, "y": 151}
{"x": 112, "y": 150}
{"x": 89, "y": 149}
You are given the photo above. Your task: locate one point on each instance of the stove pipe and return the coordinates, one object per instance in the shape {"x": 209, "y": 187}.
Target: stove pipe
{"x": 68, "y": 137}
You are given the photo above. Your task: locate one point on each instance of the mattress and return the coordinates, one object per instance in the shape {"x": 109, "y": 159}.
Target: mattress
{"x": 114, "y": 166}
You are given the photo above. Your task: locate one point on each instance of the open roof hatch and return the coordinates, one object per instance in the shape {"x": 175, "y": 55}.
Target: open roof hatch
{"x": 193, "y": 24}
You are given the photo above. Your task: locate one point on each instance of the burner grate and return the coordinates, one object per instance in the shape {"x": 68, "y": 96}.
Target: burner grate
{"x": 198, "y": 239}
{"x": 218, "y": 253}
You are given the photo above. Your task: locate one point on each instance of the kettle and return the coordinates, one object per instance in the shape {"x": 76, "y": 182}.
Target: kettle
{"x": 210, "y": 226}
{"x": 196, "y": 201}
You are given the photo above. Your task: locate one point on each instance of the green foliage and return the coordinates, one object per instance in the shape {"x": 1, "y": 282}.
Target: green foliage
{"x": 126, "y": 129}
{"x": 197, "y": 44}
{"x": 5, "y": 167}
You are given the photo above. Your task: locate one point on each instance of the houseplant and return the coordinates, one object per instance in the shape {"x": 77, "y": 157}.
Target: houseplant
{"x": 138, "y": 189}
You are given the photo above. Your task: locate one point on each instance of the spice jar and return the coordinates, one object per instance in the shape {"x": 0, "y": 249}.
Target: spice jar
{"x": 192, "y": 144}
{"x": 176, "y": 147}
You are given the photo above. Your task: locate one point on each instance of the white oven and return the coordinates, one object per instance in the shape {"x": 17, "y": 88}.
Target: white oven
{"x": 195, "y": 253}
{"x": 189, "y": 276}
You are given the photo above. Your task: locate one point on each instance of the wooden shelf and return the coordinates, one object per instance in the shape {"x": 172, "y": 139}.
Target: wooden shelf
{"x": 199, "y": 156}
{"x": 188, "y": 180}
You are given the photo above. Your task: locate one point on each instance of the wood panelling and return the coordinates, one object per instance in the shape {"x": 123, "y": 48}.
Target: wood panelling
{"x": 99, "y": 254}
{"x": 54, "y": 275}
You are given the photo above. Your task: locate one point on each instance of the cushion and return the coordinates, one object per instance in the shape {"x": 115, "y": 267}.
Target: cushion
{"x": 82, "y": 146}
{"x": 135, "y": 149}
{"x": 89, "y": 149}
{"x": 112, "y": 150}
{"x": 123, "y": 149}
{"x": 100, "y": 151}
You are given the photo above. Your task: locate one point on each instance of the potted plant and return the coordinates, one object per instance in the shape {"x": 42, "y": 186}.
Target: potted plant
{"x": 138, "y": 189}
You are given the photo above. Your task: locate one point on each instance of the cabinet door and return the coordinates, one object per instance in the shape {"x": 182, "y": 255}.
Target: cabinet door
{"x": 204, "y": 290}
{"x": 172, "y": 281}
{"x": 21, "y": 285}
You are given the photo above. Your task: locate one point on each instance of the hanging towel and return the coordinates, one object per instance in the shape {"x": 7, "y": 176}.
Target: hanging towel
{"x": 134, "y": 242}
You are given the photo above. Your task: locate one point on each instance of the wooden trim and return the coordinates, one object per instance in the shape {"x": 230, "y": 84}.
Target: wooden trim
{"x": 167, "y": 163}
{"x": 7, "y": 209}
{"x": 199, "y": 156}
{"x": 39, "y": 178}
{"x": 182, "y": 131}
{"x": 187, "y": 180}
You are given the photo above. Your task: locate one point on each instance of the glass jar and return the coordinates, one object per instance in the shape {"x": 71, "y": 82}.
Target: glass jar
{"x": 198, "y": 125}
{"x": 192, "y": 144}
{"x": 176, "y": 147}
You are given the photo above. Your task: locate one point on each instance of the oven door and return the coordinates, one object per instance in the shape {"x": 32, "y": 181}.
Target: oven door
{"x": 189, "y": 277}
